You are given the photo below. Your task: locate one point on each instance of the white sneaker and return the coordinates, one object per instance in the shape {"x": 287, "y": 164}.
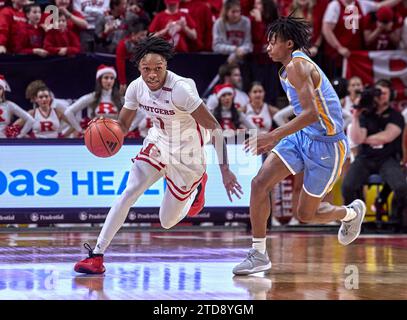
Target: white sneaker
{"x": 350, "y": 230}
{"x": 294, "y": 222}
{"x": 275, "y": 222}
{"x": 254, "y": 262}
{"x": 332, "y": 223}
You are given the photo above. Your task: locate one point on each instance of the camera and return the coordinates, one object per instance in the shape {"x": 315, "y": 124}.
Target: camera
{"x": 367, "y": 98}
{"x": 340, "y": 86}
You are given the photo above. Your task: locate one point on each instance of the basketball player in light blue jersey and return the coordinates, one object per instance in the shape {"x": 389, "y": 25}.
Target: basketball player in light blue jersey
{"x": 313, "y": 142}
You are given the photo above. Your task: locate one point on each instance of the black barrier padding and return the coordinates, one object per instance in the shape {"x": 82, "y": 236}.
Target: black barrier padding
{"x": 70, "y": 78}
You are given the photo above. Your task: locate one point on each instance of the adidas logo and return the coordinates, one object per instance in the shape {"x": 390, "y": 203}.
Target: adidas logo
{"x": 112, "y": 145}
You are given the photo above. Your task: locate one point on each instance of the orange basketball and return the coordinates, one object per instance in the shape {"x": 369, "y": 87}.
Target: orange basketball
{"x": 104, "y": 137}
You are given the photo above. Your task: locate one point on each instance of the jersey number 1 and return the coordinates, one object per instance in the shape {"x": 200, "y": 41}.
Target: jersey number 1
{"x": 161, "y": 123}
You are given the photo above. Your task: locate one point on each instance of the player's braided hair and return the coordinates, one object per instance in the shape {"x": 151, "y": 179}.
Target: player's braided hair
{"x": 291, "y": 28}
{"x": 153, "y": 44}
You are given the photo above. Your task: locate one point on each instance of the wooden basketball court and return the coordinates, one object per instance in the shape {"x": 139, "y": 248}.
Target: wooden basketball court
{"x": 198, "y": 265}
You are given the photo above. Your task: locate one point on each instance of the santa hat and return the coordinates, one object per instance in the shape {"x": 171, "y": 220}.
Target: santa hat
{"x": 385, "y": 14}
{"x": 221, "y": 89}
{"x": 103, "y": 69}
{"x": 4, "y": 84}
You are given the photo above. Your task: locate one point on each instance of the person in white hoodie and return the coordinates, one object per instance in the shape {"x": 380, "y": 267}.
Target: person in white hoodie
{"x": 105, "y": 101}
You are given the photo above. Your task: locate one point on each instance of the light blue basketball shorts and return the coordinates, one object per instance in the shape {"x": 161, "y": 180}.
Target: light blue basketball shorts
{"x": 321, "y": 158}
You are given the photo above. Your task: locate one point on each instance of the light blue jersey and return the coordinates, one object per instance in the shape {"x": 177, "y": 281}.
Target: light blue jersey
{"x": 321, "y": 148}
{"x": 329, "y": 107}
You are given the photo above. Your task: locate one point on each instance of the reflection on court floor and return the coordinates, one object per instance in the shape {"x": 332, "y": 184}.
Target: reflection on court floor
{"x": 198, "y": 265}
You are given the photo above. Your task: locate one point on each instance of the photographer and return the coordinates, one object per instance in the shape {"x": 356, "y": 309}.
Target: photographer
{"x": 377, "y": 129}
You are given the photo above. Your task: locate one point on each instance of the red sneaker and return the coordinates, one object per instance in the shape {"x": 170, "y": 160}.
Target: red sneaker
{"x": 91, "y": 265}
{"x": 199, "y": 201}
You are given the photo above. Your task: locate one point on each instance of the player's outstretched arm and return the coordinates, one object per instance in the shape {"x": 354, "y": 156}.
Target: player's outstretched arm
{"x": 125, "y": 119}
{"x": 208, "y": 121}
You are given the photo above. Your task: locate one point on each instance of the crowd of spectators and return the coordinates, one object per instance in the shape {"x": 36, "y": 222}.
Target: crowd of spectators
{"x": 232, "y": 27}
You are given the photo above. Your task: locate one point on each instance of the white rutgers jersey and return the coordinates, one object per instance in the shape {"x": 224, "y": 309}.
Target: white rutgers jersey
{"x": 262, "y": 121}
{"x": 142, "y": 122}
{"x": 46, "y": 126}
{"x": 176, "y": 134}
{"x": 145, "y": 124}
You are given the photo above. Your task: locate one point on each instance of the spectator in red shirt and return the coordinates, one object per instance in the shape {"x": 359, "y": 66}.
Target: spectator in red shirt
{"x": 30, "y": 40}
{"x": 75, "y": 20}
{"x": 312, "y": 11}
{"x": 202, "y": 15}
{"x": 382, "y": 29}
{"x": 246, "y": 6}
{"x": 262, "y": 69}
{"x": 401, "y": 9}
{"x": 342, "y": 28}
{"x": 175, "y": 26}
{"x": 62, "y": 41}
{"x": 284, "y": 7}
{"x": 262, "y": 14}
{"x": 11, "y": 19}
{"x": 125, "y": 50}
{"x": 216, "y": 7}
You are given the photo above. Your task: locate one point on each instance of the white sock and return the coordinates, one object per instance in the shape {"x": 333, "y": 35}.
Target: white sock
{"x": 259, "y": 244}
{"x": 350, "y": 214}
{"x": 101, "y": 246}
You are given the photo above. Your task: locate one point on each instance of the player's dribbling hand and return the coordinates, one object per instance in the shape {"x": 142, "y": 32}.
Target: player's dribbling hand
{"x": 261, "y": 143}
{"x": 231, "y": 184}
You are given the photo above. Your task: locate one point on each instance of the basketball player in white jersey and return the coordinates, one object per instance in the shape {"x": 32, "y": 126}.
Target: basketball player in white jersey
{"x": 47, "y": 120}
{"x": 8, "y": 110}
{"x": 173, "y": 148}
{"x": 105, "y": 101}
